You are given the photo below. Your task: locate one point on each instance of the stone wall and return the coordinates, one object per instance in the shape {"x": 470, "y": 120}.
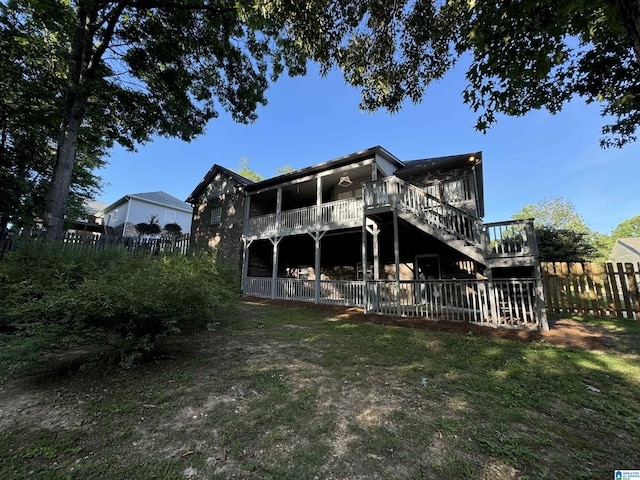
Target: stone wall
{"x": 224, "y": 237}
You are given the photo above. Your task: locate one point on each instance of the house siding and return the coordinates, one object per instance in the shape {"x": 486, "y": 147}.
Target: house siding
{"x": 125, "y": 215}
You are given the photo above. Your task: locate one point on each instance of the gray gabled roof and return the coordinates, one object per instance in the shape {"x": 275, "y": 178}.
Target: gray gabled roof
{"x": 631, "y": 243}
{"x": 192, "y": 198}
{"x": 159, "y": 198}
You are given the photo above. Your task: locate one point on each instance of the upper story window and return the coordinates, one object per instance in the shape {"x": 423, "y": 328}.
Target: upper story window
{"x": 453, "y": 190}
{"x": 216, "y": 215}
{"x": 169, "y": 216}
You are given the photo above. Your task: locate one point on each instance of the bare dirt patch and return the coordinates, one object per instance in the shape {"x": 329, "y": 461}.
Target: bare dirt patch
{"x": 563, "y": 332}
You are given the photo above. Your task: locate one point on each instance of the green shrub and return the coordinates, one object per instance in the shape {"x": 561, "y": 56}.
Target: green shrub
{"x": 51, "y": 298}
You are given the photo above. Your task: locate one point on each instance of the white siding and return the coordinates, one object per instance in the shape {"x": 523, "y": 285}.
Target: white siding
{"x": 140, "y": 212}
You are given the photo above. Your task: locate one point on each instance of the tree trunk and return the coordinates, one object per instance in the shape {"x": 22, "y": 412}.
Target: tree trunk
{"x": 75, "y": 102}
{"x": 630, "y": 10}
{"x": 56, "y": 208}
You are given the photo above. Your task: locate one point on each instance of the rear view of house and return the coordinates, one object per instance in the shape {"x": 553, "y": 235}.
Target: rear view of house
{"x": 370, "y": 230}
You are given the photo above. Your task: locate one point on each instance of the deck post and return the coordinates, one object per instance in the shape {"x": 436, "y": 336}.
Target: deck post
{"x": 396, "y": 252}
{"x": 278, "y": 207}
{"x": 365, "y": 292}
{"x": 541, "y": 307}
{"x": 245, "y": 261}
{"x": 275, "y": 241}
{"x": 374, "y": 230}
{"x": 317, "y": 236}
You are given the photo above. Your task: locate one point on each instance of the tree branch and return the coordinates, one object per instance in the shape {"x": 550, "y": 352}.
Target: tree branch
{"x": 112, "y": 21}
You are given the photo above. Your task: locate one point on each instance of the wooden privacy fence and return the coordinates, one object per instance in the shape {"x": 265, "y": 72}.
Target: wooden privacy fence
{"x": 603, "y": 289}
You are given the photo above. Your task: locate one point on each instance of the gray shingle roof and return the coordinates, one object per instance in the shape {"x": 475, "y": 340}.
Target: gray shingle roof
{"x": 162, "y": 198}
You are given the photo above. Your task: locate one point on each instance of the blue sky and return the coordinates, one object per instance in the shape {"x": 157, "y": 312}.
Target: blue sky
{"x": 311, "y": 120}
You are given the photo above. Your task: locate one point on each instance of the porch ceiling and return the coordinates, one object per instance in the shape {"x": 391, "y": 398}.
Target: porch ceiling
{"x": 306, "y": 187}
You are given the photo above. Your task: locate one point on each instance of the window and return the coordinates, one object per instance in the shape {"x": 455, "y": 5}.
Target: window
{"x": 169, "y": 216}
{"x": 216, "y": 215}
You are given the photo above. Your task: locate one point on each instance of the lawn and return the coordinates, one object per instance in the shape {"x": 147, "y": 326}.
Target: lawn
{"x": 294, "y": 392}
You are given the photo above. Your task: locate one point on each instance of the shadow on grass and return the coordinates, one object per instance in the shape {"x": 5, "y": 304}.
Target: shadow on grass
{"x": 291, "y": 392}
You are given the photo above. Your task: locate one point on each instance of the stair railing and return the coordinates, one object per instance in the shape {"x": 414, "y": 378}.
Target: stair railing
{"x": 405, "y": 197}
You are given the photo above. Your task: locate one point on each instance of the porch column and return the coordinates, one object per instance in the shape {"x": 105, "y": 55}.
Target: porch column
{"x": 245, "y": 261}
{"x": 278, "y": 208}
{"x": 396, "y": 252}
{"x": 374, "y": 230}
{"x": 275, "y": 241}
{"x": 365, "y": 290}
{"x": 319, "y": 191}
{"x": 317, "y": 236}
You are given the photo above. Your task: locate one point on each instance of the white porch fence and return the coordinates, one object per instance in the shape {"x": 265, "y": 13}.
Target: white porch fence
{"x": 513, "y": 303}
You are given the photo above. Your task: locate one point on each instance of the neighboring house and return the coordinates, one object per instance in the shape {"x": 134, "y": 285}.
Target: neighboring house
{"x": 626, "y": 250}
{"x": 91, "y": 222}
{"x": 123, "y": 215}
{"x": 370, "y": 230}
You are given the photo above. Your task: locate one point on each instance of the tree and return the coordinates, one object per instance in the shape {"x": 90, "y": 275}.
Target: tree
{"x": 525, "y": 54}
{"x": 284, "y": 170}
{"x": 130, "y": 63}
{"x": 173, "y": 229}
{"x": 244, "y": 169}
{"x": 31, "y": 82}
{"x": 561, "y": 232}
{"x": 554, "y": 212}
{"x": 563, "y": 245}
{"x": 627, "y": 228}
{"x": 154, "y": 67}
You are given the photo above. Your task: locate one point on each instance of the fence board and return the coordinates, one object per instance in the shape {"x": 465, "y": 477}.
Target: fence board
{"x": 91, "y": 243}
{"x": 592, "y": 288}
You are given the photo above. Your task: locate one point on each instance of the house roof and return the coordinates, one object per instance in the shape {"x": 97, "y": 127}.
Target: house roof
{"x": 630, "y": 243}
{"x": 93, "y": 207}
{"x": 330, "y": 164}
{"x": 412, "y": 167}
{"x": 159, "y": 198}
{"x": 192, "y": 198}
{"x": 425, "y": 165}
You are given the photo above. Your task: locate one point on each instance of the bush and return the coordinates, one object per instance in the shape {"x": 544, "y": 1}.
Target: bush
{"x": 52, "y": 298}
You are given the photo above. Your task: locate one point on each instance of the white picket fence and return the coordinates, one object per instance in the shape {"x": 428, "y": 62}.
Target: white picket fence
{"x": 513, "y": 303}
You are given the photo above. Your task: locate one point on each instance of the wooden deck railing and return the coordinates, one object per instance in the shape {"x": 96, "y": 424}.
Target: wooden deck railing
{"x": 512, "y": 238}
{"x": 397, "y": 194}
{"x": 514, "y": 303}
{"x": 325, "y": 216}
{"x": 508, "y": 239}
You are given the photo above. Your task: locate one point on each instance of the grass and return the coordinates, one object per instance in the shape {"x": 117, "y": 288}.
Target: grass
{"x": 302, "y": 393}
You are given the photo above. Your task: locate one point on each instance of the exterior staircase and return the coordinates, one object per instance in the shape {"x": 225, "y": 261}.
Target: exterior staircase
{"x": 503, "y": 244}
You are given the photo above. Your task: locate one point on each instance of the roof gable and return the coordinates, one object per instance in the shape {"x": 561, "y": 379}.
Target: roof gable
{"x": 159, "y": 198}
{"x": 206, "y": 180}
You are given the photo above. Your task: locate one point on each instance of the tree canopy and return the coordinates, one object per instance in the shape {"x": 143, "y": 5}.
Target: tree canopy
{"x": 561, "y": 232}
{"x": 554, "y": 212}
{"x": 31, "y": 82}
{"x": 627, "y": 228}
{"x": 140, "y": 68}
